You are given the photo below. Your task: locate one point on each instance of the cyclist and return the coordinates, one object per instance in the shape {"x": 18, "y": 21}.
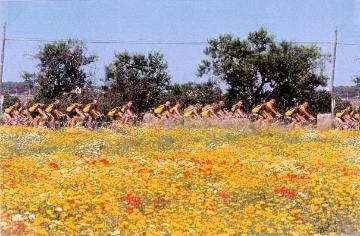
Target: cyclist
{"x": 115, "y": 114}
{"x": 355, "y": 114}
{"x": 238, "y": 110}
{"x": 305, "y": 114}
{"x": 221, "y": 110}
{"x": 293, "y": 114}
{"x": 127, "y": 112}
{"x": 54, "y": 113}
{"x": 162, "y": 111}
{"x": 193, "y": 111}
{"x": 343, "y": 118}
{"x": 74, "y": 112}
{"x": 269, "y": 110}
{"x": 175, "y": 110}
{"x": 91, "y": 112}
{"x": 257, "y": 112}
{"x": 11, "y": 114}
{"x": 37, "y": 114}
{"x": 210, "y": 111}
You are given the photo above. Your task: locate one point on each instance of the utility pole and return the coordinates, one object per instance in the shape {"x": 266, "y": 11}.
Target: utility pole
{"x": 2, "y": 68}
{"x": 333, "y": 78}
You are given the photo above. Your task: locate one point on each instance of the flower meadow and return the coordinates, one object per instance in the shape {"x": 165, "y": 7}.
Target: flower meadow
{"x": 179, "y": 181}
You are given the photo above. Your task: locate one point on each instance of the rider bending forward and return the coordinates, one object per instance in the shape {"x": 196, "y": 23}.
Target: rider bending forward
{"x": 344, "y": 118}
{"x": 210, "y": 111}
{"x": 91, "y": 112}
{"x": 238, "y": 110}
{"x": 37, "y": 113}
{"x": 175, "y": 111}
{"x": 162, "y": 111}
{"x": 11, "y": 114}
{"x": 74, "y": 112}
{"x": 305, "y": 114}
{"x": 193, "y": 111}
{"x": 269, "y": 112}
{"x": 54, "y": 113}
{"x": 128, "y": 113}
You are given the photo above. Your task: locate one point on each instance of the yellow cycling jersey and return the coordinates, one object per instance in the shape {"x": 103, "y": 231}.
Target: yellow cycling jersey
{"x": 302, "y": 110}
{"x": 123, "y": 109}
{"x": 87, "y": 108}
{"x": 207, "y": 111}
{"x": 292, "y": 111}
{"x": 258, "y": 108}
{"x": 342, "y": 113}
{"x": 34, "y": 107}
{"x": 268, "y": 107}
{"x": 71, "y": 107}
{"x": 234, "y": 108}
{"x": 189, "y": 111}
{"x": 9, "y": 109}
{"x": 160, "y": 109}
{"x": 113, "y": 111}
{"x": 50, "y": 108}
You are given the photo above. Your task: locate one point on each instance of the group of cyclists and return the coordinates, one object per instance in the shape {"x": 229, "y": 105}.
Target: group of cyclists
{"x": 88, "y": 115}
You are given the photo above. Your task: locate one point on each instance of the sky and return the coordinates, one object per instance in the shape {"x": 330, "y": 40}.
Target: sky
{"x": 176, "y": 20}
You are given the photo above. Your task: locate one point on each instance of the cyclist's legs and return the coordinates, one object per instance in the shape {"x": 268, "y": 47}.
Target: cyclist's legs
{"x": 35, "y": 121}
{"x": 8, "y": 118}
{"x": 51, "y": 119}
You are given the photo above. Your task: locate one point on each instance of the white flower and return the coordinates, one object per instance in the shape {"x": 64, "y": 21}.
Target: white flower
{"x": 116, "y": 232}
{"x": 17, "y": 217}
{"x": 3, "y": 223}
{"x": 59, "y": 209}
{"x": 32, "y": 216}
{"x": 301, "y": 194}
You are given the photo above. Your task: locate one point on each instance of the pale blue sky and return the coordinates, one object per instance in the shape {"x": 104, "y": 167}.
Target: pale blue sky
{"x": 176, "y": 20}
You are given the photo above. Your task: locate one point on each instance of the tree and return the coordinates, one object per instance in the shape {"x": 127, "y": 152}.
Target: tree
{"x": 357, "y": 82}
{"x": 320, "y": 101}
{"x": 137, "y": 77}
{"x": 258, "y": 67}
{"x": 10, "y": 100}
{"x": 60, "y": 69}
{"x": 191, "y": 92}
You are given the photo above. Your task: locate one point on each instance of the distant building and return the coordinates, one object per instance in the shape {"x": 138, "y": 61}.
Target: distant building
{"x": 354, "y": 101}
{"x": 23, "y": 97}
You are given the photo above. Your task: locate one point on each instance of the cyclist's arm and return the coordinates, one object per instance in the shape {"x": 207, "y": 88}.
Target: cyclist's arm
{"x": 274, "y": 111}
{"x": 307, "y": 114}
{"x": 42, "y": 113}
{"x": 80, "y": 113}
{"x": 214, "y": 114}
{"x": 176, "y": 111}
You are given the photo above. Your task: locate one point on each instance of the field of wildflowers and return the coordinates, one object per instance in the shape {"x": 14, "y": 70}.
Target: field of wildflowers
{"x": 180, "y": 181}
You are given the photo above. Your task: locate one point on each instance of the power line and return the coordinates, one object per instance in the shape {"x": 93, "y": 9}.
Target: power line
{"x": 164, "y": 42}
{"x": 112, "y": 41}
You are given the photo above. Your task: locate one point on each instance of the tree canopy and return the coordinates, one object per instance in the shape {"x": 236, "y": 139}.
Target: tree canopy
{"x": 137, "y": 77}
{"x": 259, "y": 67}
{"x": 60, "y": 69}
{"x": 191, "y": 92}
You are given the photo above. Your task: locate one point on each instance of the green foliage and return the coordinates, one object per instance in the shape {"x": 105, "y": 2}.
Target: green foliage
{"x": 191, "y": 92}
{"x": 60, "y": 69}
{"x": 341, "y": 104}
{"x": 357, "y": 82}
{"x": 258, "y": 67}
{"x": 9, "y": 100}
{"x": 138, "y": 78}
{"x": 320, "y": 101}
